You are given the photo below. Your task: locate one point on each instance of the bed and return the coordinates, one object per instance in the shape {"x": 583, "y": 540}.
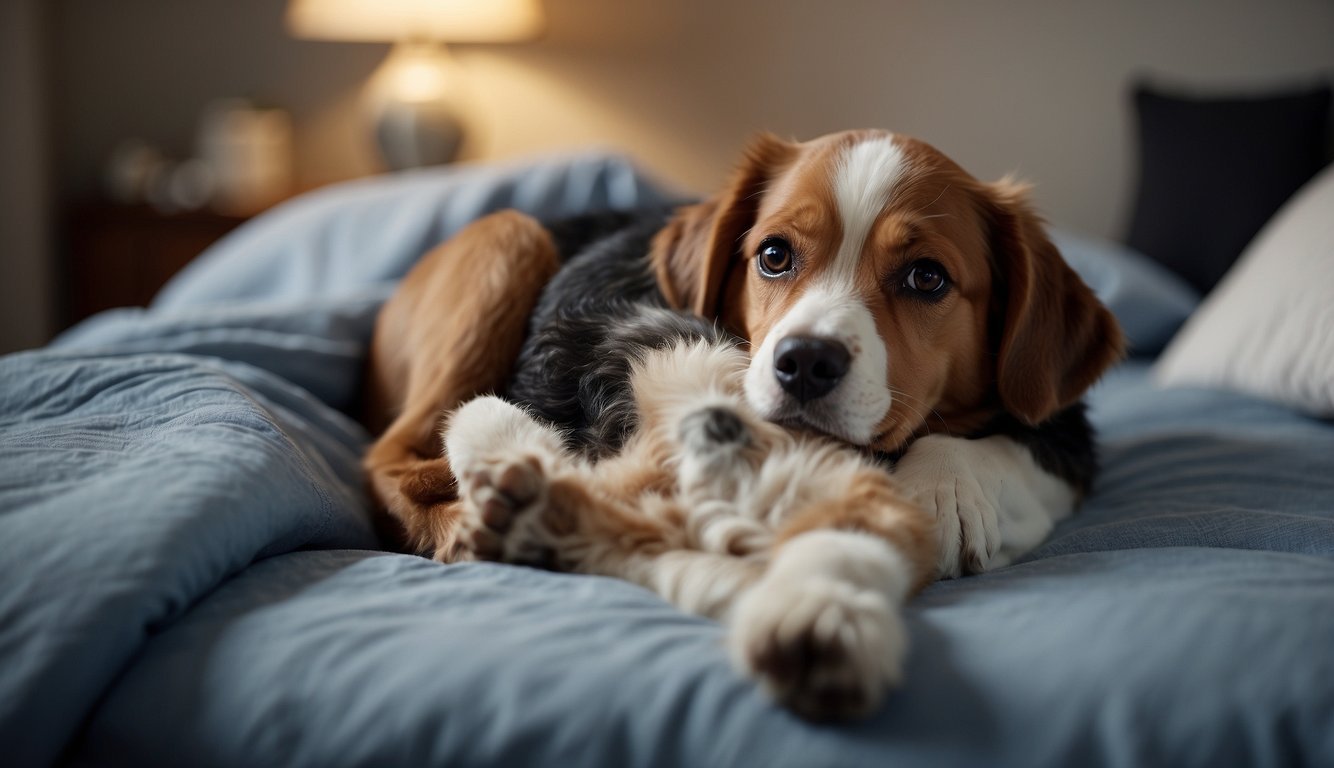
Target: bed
{"x": 188, "y": 574}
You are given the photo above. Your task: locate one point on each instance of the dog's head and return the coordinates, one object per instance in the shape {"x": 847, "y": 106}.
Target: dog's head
{"x": 885, "y": 291}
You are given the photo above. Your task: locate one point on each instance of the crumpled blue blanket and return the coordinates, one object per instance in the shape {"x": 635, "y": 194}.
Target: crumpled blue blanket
{"x": 188, "y": 575}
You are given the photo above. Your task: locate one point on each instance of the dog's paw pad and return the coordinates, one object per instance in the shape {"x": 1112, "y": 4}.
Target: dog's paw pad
{"x": 497, "y": 494}
{"x": 826, "y": 650}
{"x": 503, "y": 489}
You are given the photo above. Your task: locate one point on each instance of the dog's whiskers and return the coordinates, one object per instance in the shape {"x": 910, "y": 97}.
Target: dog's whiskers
{"x": 917, "y": 409}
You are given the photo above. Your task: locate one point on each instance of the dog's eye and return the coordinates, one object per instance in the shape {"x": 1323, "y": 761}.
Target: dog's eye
{"x": 774, "y": 257}
{"x": 927, "y": 277}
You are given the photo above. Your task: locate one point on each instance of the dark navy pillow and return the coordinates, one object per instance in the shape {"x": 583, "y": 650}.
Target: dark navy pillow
{"x": 1213, "y": 170}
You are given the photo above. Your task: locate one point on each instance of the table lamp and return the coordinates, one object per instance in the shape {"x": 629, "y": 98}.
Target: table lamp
{"x": 416, "y": 96}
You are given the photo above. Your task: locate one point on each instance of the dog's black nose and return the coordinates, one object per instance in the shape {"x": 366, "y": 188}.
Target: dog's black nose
{"x": 808, "y": 367}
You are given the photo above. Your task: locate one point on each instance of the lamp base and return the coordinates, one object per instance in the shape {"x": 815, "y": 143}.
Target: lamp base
{"x": 415, "y": 101}
{"x": 413, "y": 134}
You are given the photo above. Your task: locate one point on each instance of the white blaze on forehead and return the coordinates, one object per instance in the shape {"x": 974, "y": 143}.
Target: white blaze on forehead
{"x": 864, "y": 178}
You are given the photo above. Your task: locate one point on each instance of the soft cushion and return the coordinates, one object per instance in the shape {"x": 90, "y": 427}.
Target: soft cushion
{"x": 1268, "y": 328}
{"x": 1149, "y": 302}
{"x": 1212, "y": 171}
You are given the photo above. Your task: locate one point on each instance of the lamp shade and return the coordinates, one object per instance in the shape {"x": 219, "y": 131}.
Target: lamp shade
{"x": 447, "y": 21}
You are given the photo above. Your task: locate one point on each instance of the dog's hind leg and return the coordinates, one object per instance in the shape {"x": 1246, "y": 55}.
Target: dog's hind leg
{"x": 822, "y": 629}
{"x": 523, "y": 498}
{"x": 451, "y": 332}
{"x": 505, "y": 461}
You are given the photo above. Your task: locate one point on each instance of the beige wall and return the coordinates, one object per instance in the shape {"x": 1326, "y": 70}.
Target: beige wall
{"x": 25, "y": 297}
{"x": 1034, "y": 86}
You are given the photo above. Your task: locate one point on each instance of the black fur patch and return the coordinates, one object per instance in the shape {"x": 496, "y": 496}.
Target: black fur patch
{"x": 599, "y": 315}
{"x": 1064, "y": 445}
{"x": 574, "y": 235}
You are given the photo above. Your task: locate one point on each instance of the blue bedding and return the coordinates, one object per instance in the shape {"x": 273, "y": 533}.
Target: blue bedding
{"x": 188, "y": 575}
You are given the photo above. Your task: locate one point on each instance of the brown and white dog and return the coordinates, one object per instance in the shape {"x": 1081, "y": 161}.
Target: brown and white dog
{"x": 890, "y": 300}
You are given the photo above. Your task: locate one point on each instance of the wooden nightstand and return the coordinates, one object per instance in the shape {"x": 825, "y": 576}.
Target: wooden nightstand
{"x": 120, "y": 255}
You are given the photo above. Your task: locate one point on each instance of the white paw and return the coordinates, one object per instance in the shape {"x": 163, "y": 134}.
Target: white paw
{"x": 991, "y": 501}
{"x": 502, "y": 459}
{"x": 490, "y": 426}
{"x": 967, "y": 525}
{"x": 821, "y": 646}
{"x": 955, "y": 483}
{"x": 949, "y": 479}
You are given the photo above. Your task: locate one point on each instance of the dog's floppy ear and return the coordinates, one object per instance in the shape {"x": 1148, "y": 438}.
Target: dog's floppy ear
{"x": 1055, "y": 338}
{"x": 692, "y": 253}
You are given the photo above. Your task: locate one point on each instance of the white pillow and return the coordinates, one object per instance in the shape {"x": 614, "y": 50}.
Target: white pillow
{"x": 1268, "y": 328}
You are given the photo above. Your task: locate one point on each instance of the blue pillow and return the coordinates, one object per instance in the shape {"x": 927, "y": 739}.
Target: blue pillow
{"x": 1150, "y": 302}
{"x": 339, "y": 240}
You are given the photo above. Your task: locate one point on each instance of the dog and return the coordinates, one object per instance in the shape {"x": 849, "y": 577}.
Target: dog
{"x": 890, "y": 300}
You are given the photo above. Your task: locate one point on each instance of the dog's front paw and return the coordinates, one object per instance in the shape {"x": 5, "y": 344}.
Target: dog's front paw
{"x": 823, "y": 647}
{"x": 967, "y": 525}
{"x": 502, "y": 511}
{"x": 954, "y": 482}
{"x": 991, "y": 500}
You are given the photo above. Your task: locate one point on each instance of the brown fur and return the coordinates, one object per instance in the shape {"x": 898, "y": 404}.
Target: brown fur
{"x": 874, "y": 505}
{"x": 451, "y": 332}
